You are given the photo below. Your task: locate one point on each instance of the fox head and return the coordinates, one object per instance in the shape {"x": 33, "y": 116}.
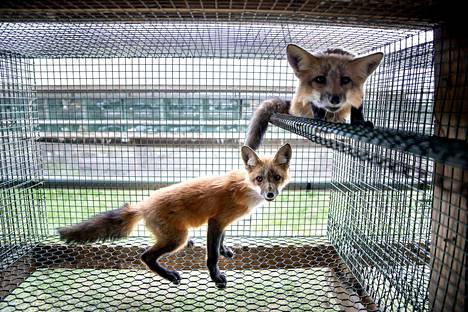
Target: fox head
{"x": 332, "y": 80}
{"x": 267, "y": 175}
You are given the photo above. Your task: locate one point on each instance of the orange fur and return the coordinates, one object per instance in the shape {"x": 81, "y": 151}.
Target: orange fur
{"x": 333, "y": 65}
{"x": 173, "y": 210}
{"x": 170, "y": 212}
{"x": 330, "y": 84}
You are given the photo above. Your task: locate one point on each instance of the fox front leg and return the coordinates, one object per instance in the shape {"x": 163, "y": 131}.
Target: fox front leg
{"x": 357, "y": 118}
{"x": 319, "y": 113}
{"x": 215, "y": 233}
{"x": 224, "y": 250}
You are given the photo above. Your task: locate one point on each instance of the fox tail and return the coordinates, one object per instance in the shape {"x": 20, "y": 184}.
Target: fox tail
{"x": 109, "y": 225}
{"x": 259, "y": 122}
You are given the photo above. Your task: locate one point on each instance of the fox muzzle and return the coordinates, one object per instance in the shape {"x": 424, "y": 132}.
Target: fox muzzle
{"x": 270, "y": 195}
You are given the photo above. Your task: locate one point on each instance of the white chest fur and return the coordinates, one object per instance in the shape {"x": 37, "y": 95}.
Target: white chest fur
{"x": 254, "y": 198}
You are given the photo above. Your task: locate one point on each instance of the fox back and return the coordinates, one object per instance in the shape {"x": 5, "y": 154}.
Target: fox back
{"x": 229, "y": 197}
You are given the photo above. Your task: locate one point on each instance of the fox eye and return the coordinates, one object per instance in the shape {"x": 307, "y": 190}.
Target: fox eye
{"x": 259, "y": 179}
{"x": 345, "y": 80}
{"x": 320, "y": 79}
{"x": 277, "y": 177}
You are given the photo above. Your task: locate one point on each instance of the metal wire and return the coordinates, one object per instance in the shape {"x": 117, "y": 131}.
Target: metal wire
{"x": 379, "y": 12}
{"x": 188, "y": 39}
{"x": 445, "y": 151}
{"x": 21, "y": 203}
{"x": 118, "y": 109}
{"x": 382, "y": 200}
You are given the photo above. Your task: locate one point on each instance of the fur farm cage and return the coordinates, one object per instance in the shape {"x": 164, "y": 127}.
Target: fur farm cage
{"x": 103, "y": 101}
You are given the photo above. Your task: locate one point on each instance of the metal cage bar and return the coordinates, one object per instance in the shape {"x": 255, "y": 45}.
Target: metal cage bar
{"x": 21, "y": 201}
{"x": 442, "y": 150}
{"x": 388, "y": 13}
{"x": 118, "y": 108}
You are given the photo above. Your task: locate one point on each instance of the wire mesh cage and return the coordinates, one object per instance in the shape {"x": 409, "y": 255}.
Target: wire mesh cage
{"x": 105, "y": 102}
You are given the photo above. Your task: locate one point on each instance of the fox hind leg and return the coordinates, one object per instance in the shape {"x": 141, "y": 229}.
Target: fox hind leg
{"x": 225, "y": 250}
{"x": 190, "y": 243}
{"x": 151, "y": 255}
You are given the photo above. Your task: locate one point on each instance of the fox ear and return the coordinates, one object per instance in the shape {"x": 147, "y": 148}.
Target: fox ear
{"x": 283, "y": 155}
{"x": 367, "y": 64}
{"x": 249, "y": 157}
{"x": 298, "y": 58}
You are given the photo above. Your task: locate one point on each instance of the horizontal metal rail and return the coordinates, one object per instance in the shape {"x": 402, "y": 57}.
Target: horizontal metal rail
{"x": 442, "y": 150}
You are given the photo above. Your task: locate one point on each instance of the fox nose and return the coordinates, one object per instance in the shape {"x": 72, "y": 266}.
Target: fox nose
{"x": 335, "y": 99}
{"x": 270, "y": 195}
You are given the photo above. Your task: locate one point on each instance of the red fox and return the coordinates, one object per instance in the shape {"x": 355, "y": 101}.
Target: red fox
{"x": 331, "y": 87}
{"x": 171, "y": 211}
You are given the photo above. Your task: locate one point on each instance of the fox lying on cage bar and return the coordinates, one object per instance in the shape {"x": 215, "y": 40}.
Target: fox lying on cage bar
{"x": 330, "y": 87}
{"x": 171, "y": 211}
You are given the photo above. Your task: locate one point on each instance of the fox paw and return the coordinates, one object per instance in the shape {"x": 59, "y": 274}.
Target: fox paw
{"x": 172, "y": 276}
{"x": 368, "y": 124}
{"x": 219, "y": 279}
{"x": 364, "y": 123}
{"x": 190, "y": 243}
{"x": 226, "y": 251}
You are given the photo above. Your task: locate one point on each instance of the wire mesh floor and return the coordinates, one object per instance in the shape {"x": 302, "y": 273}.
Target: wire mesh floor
{"x": 265, "y": 274}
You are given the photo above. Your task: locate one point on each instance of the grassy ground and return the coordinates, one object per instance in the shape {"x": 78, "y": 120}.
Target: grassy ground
{"x": 294, "y": 213}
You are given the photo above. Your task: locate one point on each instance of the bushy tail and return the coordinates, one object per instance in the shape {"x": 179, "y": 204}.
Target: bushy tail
{"x": 109, "y": 225}
{"x": 259, "y": 122}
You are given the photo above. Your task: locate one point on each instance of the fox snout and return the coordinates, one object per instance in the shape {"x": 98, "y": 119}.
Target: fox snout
{"x": 335, "y": 99}
{"x": 270, "y": 194}
{"x": 333, "y": 102}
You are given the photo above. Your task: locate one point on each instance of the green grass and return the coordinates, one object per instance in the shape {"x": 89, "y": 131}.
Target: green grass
{"x": 293, "y": 213}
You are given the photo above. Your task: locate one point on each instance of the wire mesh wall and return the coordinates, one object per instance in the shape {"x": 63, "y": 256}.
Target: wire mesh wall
{"x": 382, "y": 230}
{"x": 380, "y": 12}
{"x": 386, "y": 221}
{"x": 114, "y": 122}
{"x": 22, "y": 204}
{"x": 139, "y": 123}
{"x": 400, "y": 95}
{"x": 154, "y": 108}
{"x": 121, "y": 109}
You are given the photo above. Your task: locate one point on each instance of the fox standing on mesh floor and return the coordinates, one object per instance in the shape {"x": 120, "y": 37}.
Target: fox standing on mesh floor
{"x": 171, "y": 211}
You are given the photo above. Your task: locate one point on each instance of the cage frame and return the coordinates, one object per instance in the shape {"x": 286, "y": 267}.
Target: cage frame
{"x": 450, "y": 48}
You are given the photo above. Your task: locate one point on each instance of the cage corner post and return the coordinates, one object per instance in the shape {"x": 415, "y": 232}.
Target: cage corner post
{"x": 449, "y": 214}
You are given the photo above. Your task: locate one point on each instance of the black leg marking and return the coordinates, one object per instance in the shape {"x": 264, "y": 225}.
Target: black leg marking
{"x": 150, "y": 258}
{"x": 190, "y": 243}
{"x": 215, "y": 234}
{"x": 224, "y": 250}
{"x": 319, "y": 113}
{"x": 357, "y": 118}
